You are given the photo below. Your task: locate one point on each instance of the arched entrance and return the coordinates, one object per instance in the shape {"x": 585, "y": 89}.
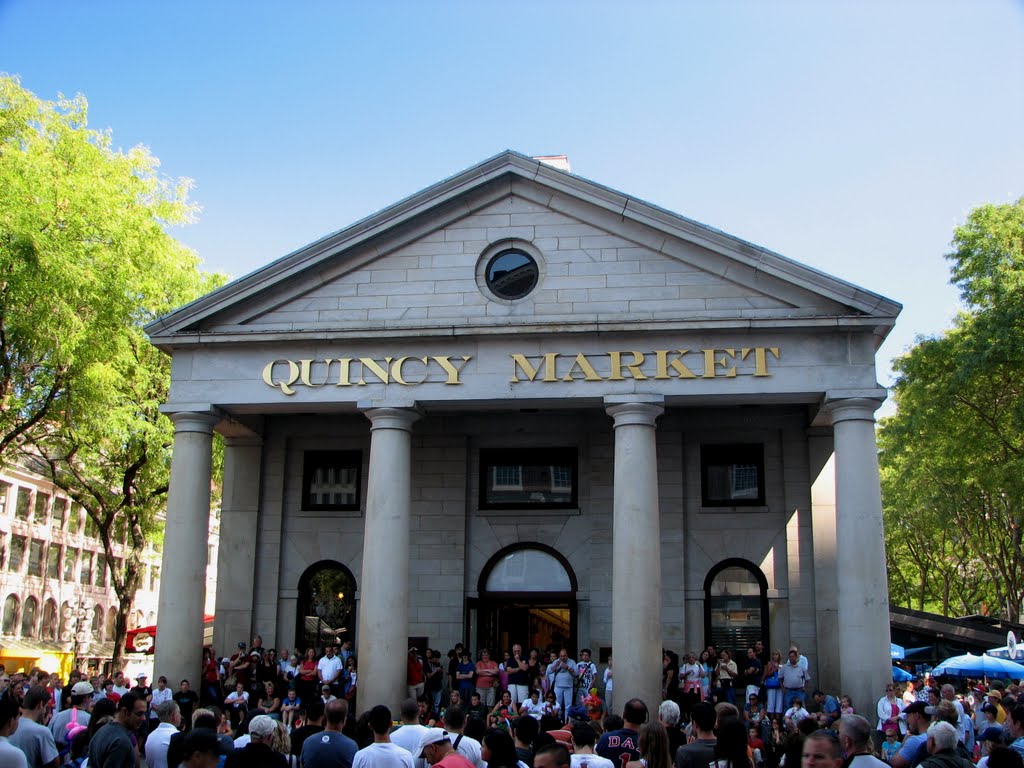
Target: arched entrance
{"x": 527, "y": 596}
{"x": 736, "y": 606}
{"x": 326, "y": 606}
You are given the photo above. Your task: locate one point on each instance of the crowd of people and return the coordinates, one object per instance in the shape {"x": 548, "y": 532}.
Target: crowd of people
{"x": 262, "y": 707}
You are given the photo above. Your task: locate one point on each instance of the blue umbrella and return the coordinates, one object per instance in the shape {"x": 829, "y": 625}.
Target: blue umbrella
{"x": 970, "y": 665}
{"x": 900, "y": 675}
{"x": 897, "y": 651}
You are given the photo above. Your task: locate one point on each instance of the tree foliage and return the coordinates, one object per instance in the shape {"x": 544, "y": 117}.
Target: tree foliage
{"x": 952, "y": 458}
{"x": 85, "y": 262}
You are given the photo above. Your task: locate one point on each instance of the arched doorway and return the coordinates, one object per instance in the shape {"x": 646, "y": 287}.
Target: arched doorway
{"x": 736, "y": 606}
{"x": 326, "y": 606}
{"x": 527, "y": 596}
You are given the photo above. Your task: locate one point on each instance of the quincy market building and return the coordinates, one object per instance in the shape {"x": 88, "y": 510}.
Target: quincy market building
{"x": 519, "y": 406}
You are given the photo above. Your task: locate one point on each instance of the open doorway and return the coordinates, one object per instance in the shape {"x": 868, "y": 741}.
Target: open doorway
{"x": 527, "y": 596}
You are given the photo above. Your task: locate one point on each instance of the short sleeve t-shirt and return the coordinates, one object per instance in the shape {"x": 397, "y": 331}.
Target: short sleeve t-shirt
{"x": 329, "y": 748}
{"x": 35, "y": 741}
{"x": 382, "y": 756}
{"x": 614, "y": 744}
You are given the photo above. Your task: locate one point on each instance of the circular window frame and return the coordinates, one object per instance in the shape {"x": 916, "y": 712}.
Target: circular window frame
{"x": 497, "y": 249}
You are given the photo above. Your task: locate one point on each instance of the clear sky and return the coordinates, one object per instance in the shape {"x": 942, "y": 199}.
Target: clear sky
{"x": 851, "y": 136}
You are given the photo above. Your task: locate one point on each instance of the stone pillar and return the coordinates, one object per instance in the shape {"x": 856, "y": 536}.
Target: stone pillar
{"x": 236, "y": 556}
{"x": 826, "y": 585}
{"x": 383, "y": 627}
{"x": 179, "y": 635}
{"x": 636, "y": 551}
{"x": 863, "y": 595}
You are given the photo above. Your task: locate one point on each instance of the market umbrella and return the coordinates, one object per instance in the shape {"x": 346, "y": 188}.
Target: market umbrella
{"x": 1003, "y": 652}
{"x": 900, "y": 675}
{"x": 897, "y": 651}
{"x": 970, "y": 665}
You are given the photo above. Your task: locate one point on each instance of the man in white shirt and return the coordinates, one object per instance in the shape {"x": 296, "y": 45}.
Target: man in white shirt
{"x": 382, "y": 753}
{"x": 9, "y": 720}
{"x": 159, "y": 739}
{"x": 409, "y": 733}
{"x": 329, "y": 669}
{"x": 467, "y": 746}
{"x": 32, "y": 738}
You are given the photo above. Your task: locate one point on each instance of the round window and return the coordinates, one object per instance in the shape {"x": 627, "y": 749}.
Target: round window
{"x": 512, "y": 274}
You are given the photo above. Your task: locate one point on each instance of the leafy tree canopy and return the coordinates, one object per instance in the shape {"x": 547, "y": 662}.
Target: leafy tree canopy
{"x": 952, "y": 458}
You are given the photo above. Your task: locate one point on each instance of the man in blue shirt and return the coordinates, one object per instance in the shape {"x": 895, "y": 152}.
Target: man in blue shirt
{"x": 828, "y": 709}
{"x": 625, "y": 741}
{"x": 330, "y": 748}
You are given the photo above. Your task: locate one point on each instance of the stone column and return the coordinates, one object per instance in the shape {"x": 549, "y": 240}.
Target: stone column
{"x": 636, "y": 551}
{"x": 826, "y": 585}
{"x": 863, "y": 596}
{"x": 236, "y": 556}
{"x": 179, "y": 636}
{"x": 383, "y": 627}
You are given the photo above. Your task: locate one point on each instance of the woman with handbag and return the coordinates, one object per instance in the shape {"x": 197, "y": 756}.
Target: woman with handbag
{"x": 772, "y": 684}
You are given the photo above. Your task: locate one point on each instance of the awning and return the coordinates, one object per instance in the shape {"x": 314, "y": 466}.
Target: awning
{"x": 143, "y": 639}
{"x": 45, "y": 654}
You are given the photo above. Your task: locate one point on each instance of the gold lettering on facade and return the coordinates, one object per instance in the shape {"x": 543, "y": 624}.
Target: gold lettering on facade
{"x": 398, "y": 376}
{"x": 712, "y": 363}
{"x": 761, "y": 358}
{"x": 286, "y": 385}
{"x": 378, "y": 370}
{"x": 615, "y": 358}
{"x": 450, "y": 369}
{"x": 522, "y": 363}
{"x": 661, "y": 355}
{"x": 547, "y": 367}
{"x": 581, "y": 362}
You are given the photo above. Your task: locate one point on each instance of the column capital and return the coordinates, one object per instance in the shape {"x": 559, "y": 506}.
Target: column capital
{"x": 391, "y": 417}
{"x": 194, "y": 421}
{"x": 853, "y": 406}
{"x": 634, "y": 409}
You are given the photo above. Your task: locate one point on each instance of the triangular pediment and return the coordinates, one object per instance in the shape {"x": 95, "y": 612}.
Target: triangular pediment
{"x": 605, "y": 260}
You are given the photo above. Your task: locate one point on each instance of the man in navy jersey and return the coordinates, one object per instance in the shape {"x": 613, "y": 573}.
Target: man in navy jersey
{"x": 623, "y": 745}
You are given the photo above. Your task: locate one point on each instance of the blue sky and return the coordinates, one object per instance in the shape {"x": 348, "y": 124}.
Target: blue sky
{"x": 851, "y": 136}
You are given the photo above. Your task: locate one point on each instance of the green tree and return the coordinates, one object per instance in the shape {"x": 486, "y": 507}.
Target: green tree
{"x": 85, "y": 262}
{"x": 952, "y": 457}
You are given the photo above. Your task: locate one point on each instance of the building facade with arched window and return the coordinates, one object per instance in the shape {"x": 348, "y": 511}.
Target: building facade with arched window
{"x": 521, "y": 406}
{"x": 55, "y": 584}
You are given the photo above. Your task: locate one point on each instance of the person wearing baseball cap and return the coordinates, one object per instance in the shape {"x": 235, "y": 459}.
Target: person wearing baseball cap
{"x": 436, "y": 748}
{"x": 258, "y": 753}
{"x": 75, "y": 717}
{"x": 917, "y": 734}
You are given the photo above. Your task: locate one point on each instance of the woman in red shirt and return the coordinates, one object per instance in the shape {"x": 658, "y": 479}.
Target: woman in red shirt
{"x": 486, "y": 678}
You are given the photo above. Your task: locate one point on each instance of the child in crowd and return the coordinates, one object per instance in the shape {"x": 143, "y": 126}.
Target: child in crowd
{"x": 891, "y": 745}
{"x": 795, "y": 714}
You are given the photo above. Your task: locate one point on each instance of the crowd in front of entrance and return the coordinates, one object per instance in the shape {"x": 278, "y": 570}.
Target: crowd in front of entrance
{"x": 526, "y": 709}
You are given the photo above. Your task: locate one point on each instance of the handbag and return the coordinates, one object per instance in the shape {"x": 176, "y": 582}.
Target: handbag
{"x": 772, "y": 681}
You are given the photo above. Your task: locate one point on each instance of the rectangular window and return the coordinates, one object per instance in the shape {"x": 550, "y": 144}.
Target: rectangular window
{"x": 35, "y": 558}
{"x": 42, "y": 506}
{"x": 53, "y": 562}
{"x": 154, "y": 578}
{"x": 5, "y": 493}
{"x": 331, "y": 480}
{"x": 70, "y": 560}
{"x": 537, "y": 478}
{"x": 732, "y": 475}
{"x": 101, "y": 570}
{"x": 75, "y": 519}
{"x": 24, "y": 509}
{"x": 90, "y": 527}
{"x": 60, "y": 512}
{"x": 18, "y": 544}
{"x": 85, "y": 575}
